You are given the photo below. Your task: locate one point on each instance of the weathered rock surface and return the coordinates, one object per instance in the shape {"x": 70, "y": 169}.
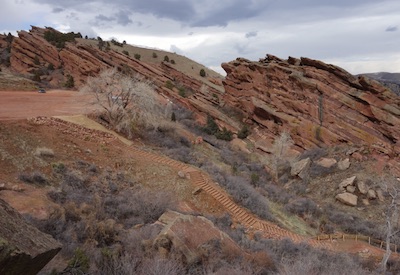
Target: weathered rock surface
{"x": 347, "y": 182}
{"x": 326, "y": 162}
{"x": 317, "y": 102}
{"x": 371, "y": 194}
{"x": 23, "y": 248}
{"x": 192, "y": 236}
{"x": 347, "y": 198}
{"x": 300, "y": 168}
{"x": 362, "y": 187}
{"x": 344, "y": 164}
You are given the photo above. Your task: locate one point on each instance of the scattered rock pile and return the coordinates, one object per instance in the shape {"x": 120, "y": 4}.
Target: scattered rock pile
{"x": 353, "y": 190}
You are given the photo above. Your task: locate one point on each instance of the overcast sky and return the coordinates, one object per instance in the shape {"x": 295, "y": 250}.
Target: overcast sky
{"x": 358, "y": 35}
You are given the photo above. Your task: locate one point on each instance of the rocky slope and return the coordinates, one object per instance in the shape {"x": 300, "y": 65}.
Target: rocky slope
{"x": 319, "y": 104}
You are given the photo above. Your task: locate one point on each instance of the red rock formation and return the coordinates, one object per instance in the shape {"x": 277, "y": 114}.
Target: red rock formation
{"x": 317, "y": 102}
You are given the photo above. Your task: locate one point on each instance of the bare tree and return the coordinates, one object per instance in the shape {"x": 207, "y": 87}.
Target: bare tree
{"x": 126, "y": 101}
{"x": 391, "y": 216}
{"x": 279, "y": 149}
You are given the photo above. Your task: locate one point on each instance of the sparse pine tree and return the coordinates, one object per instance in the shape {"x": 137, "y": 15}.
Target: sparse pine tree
{"x": 202, "y": 73}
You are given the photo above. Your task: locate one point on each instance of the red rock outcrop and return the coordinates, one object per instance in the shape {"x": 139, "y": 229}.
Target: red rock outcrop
{"x": 316, "y": 102}
{"x": 30, "y": 52}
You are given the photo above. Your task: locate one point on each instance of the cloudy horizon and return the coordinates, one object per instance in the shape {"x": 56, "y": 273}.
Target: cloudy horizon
{"x": 359, "y": 36}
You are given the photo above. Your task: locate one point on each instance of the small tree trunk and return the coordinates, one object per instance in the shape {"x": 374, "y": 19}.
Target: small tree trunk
{"x": 388, "y": 252}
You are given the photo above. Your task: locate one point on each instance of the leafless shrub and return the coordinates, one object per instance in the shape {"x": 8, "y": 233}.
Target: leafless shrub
{"x": 353, "y": 224}
{"x": 44, "y": 152}
{"x": 33, "y": 178}
{"x": 139, "y": 206}
{"x": 302, "y": 207}
{"x": 128, "y": 102}
{"x": 320, "y": 171}
{"x": 158, "y": 265}
{"x": 314, "y": 153}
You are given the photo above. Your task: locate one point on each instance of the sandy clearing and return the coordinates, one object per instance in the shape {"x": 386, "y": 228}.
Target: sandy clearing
{"x": 25, "y": 104}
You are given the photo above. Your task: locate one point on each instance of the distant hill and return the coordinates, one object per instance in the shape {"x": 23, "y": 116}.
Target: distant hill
{"x": 390, "y": 80}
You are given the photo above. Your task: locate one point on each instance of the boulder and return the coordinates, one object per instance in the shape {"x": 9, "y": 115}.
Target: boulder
{"x": 192, "y": 236}
{"x": 365, "y": 202}
{"x": 347, "y": 198}
{"x": 362, "y": 187}
{"x": 326, "y": 162}
{"x": 181, "y": 174}
{"x": 371, "y": 194}
{"x": 300, "y": 168}
{"x": 23, "y": 248}
{"x": 380, "y": 195}
{"x": 351, "y": 189}
{"x": 344, "y": 164}
{"x": 347, "y": 182}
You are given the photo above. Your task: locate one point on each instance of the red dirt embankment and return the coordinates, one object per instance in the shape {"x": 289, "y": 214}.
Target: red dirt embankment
{"x": 23, "y": 104}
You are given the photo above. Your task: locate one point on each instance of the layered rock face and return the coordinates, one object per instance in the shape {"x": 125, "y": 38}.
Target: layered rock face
{"x": 31, "y": 52}
{"x": 23, "y": 248}
{"x": 316, "y": 102}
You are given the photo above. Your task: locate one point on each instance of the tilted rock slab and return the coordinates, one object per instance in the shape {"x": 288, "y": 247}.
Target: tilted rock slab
{"x": 23, "y": 248}
{"x": 317, "y": 103}
{"x": 347, "y": 198}
{"x": 191, "y": 236}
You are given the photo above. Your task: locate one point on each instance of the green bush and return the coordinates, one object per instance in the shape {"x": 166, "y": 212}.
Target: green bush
{"x": 59, "y": 39}
{"x": 172, "y": 61}
{"x": 211, "y": 127}
{"x": 182, "y": 92}
{"x": 36, "y": 60}
{"x": 80, "y": 263}
{"x": 169, "y": 85}
{"x": 70, "y": 83}
{"x": 202, "y": 73}
{"x": 154, "y": 55}
{"x": 225, "y": 134}
{"x": 50, "y": 67}
{"x": 166, "y": 58}
{"x": 244, "y": 132}
{"x": 137, "y": 56}
{"x": 125, "y": 52}
{"x": 36, "y": 76}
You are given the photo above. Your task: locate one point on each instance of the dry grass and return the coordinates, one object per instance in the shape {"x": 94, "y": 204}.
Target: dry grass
{"x": 13, "y": 82}
{"x": 44, "y": 152}
{"x": 182, "y": 63}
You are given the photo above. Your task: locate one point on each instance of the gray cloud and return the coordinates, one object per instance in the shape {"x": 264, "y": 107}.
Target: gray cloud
{"x": 58, "y": 10}
{"x": 102, "y": 17}
{"x": 392, "y": 29}
{"x": 251, "y": 34}
{"x": 123, "y": 18}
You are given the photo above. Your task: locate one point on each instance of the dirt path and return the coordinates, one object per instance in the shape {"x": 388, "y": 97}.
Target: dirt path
{"x": 23, "y": 104}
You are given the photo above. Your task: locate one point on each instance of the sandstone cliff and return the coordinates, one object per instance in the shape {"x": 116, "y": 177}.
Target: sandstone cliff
{"x": 23, "y": 248}
{"x": 318, "y": 103}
